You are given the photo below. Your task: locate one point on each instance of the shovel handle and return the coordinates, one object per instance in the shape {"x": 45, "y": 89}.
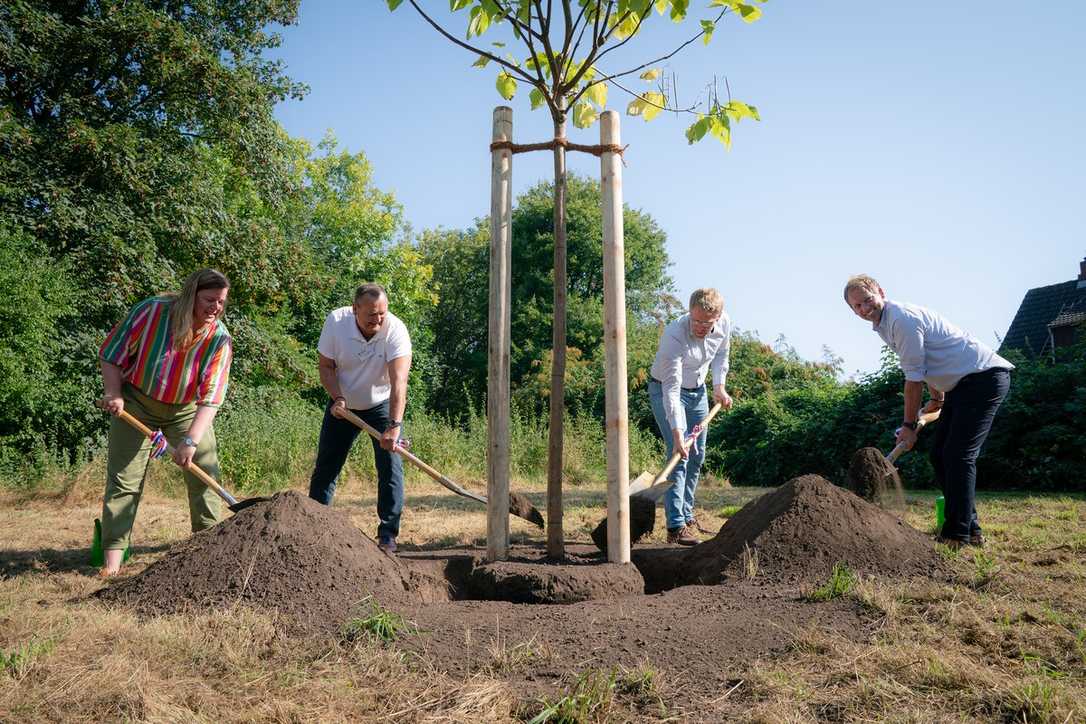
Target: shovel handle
{"x": 920, "y": 423}
{"x": 441, "y": 479}
{"x": 193, "y": 467}
{"x": 676, "y": 455}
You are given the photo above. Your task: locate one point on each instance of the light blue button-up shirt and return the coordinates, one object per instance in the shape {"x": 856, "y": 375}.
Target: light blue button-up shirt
{"x": 931, "y": 349}
{"x": 682, "y": 360}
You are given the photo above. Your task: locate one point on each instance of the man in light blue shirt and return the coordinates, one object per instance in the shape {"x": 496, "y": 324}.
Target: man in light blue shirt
{"x": 689, "y": 347}
{"x": 965, "y": 378}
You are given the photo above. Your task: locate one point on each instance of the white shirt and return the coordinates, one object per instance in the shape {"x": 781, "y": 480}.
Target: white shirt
{"x": 682, "y": 359}
{"x": 931, "y": 349}
{"x": 362, "y": 364}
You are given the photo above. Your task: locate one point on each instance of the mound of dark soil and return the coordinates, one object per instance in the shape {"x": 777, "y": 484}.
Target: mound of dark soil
{"x": 291, "y": 554}
{"x": 872, "y": 477}
{"x": 797, "y": 532}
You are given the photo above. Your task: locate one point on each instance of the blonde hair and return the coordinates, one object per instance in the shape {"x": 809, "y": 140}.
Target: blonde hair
{"x": 708, "y": 300}
{"x": 183, "y": 304}
{"x": 861, "y": 281}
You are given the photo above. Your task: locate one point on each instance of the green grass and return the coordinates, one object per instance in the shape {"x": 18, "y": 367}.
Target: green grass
{"x": 379, "y": 625}
{"x": 589, "y": 699}
{"x": 841, "y": 581}
{"x": 18, "y": 661}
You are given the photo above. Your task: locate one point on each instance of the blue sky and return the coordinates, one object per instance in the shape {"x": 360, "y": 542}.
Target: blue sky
{"x": 937, "y": 146}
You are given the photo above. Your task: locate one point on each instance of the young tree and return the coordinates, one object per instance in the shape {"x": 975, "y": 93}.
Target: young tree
{"x": 567, "y": 44}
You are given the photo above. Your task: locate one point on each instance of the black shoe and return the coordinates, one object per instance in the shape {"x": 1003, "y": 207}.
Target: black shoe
{"x": 951, "y": 543}
{"x": 977, "y": 539}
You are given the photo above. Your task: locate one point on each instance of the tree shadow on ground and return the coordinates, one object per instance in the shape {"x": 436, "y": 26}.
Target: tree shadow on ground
{"x": 60, "y": 560}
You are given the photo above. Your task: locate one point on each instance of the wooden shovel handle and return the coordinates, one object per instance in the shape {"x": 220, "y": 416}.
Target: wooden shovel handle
{"x": 676, "y": 455}
{"x": 193, "y": 467}
{"x": 444, "y": 481}
{"x": 920, "y": 423}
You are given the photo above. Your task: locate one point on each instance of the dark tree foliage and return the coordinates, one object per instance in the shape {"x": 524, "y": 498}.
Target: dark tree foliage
{"x": 460, "y": 261}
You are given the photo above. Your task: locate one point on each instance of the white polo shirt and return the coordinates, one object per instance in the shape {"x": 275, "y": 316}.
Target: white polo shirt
{"x": 362, "y": 364}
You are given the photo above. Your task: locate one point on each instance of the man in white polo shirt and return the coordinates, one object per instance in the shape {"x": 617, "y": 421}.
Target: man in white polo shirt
{"x": 965, "y": 378}
{"x": 688, "y": 347}
{"x": 365, "y": 356}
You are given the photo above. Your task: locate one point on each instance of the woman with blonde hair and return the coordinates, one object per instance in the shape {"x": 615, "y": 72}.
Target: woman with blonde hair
{"x": 168, "y": 365}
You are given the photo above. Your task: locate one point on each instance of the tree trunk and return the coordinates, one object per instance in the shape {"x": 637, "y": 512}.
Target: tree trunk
{"x": 555, "y": 541}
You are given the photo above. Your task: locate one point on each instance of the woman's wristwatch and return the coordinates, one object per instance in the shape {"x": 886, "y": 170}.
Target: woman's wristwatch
{"x": 186, "y": 440}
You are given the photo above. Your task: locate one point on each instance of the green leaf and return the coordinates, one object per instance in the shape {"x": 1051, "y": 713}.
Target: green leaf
{"x": 707, "y": 27}
{"x": 597, "y": 93}
{"x": 648, "y": 105}
{"x": 679, "y": 9}
{"x": 654, "y": 103}
{"x": 721, "y": 129}
{"x": 627, "y": 27}
{"x": 697, "y": 130}
{"x": 506, "y": 85}
{"x": 536, "y": 97}
{"x": 481, "y": 62}
{"x": 661, "y": 6}
{"x": 393, "y": 4}
{"x": 480, "y": 21}
{"x": 738, "y": 110}
{"x": 650, "y": 75}
{"x": 749, "y": 13}
{"x": 584, "y": 115}
{"x": 498, "y": 44}
{"x": 455, "y": 5}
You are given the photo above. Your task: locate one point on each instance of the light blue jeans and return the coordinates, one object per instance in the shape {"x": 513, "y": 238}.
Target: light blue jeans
{"x": 679, "y": 499}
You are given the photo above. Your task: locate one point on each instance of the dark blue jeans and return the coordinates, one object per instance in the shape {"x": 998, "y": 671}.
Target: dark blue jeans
{"x": 337, "y": 437}
{"x": 964, "y": 423}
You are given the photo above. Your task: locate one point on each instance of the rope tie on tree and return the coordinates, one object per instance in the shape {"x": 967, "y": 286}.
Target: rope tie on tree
{"x": 597, "y": 150}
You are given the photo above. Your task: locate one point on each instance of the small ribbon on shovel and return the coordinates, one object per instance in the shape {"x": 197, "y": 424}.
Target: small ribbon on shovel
{"x": 158, "y": 445}
{"x": 693, "y": 435}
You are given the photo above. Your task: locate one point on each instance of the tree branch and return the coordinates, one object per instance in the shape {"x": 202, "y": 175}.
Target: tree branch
{"x": 478, "y": 51}
{"x": 661, "y": 58}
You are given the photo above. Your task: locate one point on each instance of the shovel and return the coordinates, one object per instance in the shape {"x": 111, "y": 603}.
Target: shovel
{"x": 518, "y": 504}
{"x": 920, "y": 423}
{"x": 872, "y": 475}
{"x": 232, "y": 503}
{"x": 645, "y": 493}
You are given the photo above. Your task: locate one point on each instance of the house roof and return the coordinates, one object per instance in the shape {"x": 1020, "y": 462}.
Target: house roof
{"x": 1029, "y": 330}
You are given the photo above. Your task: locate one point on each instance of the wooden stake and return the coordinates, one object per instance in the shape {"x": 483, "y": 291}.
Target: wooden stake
{"x": 497, "y": 398}
{"x": 556, "y": 545}
{"x": 614, "y": 328}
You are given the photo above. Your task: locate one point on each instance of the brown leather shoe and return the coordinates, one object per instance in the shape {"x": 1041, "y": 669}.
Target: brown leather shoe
{"x": 682, "y": 536}
{"x": 693, "y": 524}
{"x": 977, "y": 539}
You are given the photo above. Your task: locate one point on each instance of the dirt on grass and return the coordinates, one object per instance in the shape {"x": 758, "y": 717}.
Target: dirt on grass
{"x": 728, "y": 600}
{"x": 292, "y": 555}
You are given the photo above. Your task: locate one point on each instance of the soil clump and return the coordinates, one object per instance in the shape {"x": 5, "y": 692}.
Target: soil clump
{"x": 799, "y": 531}
{"x": 642, "y": 521}
{"x": 291, "y": 554}
{"x": 874, "y": 478}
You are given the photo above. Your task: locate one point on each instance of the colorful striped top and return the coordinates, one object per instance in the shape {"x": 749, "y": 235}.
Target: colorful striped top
{"x": 142, "y": 346}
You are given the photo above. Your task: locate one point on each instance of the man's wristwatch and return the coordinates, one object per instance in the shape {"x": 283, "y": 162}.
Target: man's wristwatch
{"x": 394, "y": 423}
{"x": 186, "y": 440}
{"x": 911, "y": 425}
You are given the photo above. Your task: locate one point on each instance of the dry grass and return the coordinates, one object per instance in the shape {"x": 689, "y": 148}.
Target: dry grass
{"x": 1005, "y": 640}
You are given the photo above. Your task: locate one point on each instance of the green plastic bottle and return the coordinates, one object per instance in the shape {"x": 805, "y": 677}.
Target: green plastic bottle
{"x": 940, "y": 512}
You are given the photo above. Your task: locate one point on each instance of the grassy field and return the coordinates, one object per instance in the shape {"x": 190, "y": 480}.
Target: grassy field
{"x": 1005, "y": 641}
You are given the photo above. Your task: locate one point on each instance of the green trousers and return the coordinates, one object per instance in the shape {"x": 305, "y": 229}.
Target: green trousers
{"x": 129, "y": 455}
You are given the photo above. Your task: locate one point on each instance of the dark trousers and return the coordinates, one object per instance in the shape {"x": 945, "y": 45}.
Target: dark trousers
{"x": 337, "y": 437}
{"x": 963, "y": 427}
